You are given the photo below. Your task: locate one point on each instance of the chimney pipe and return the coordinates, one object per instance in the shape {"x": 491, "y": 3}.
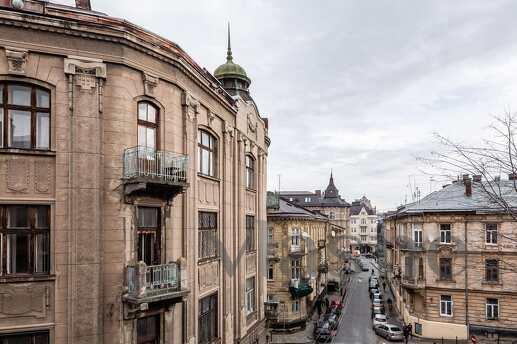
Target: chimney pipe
{"x": 468, "y": 185}
{"x": 83, "y": 4}
{"x": 512, "y": 176}
{"x": 477, "y": 178}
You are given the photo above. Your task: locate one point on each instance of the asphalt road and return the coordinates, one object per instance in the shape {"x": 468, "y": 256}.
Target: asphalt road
{"x": 356, "y": 324}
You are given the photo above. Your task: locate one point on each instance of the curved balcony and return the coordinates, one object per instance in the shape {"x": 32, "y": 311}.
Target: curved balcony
{"x": 299, "y": 288}
{"x": 153, "y": 172}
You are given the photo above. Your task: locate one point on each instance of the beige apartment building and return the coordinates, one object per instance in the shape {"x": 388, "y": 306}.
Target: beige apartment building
{"x": 132, "y": 186}
{"x": 297, "y": 262}
{"x": 452, "y": 261}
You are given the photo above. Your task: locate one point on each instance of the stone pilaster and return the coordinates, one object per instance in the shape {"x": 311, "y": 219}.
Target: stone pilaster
{"x": 84, "y": 275}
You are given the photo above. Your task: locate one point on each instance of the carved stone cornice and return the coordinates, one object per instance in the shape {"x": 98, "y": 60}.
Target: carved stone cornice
{"x": 16, "y": 60}
{"x": 150, "y": 83}
{"x": 86, "y": 71}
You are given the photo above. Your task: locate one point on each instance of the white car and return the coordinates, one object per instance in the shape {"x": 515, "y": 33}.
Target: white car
{"x": 379, "y": 319}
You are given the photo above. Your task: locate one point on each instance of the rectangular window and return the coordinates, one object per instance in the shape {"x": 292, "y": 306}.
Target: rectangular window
{"x": 445, "y": 233}
{"x": 307, "y": 199}
{"x": 208, "y": 238}
{"x": 446, "y": 268}
{"x": 421, "y": 268}
{"x": 250, "y": 233}
{"x": 41, "y": 337}
{"x": 208, "y": 327}
{"x": 148, "y": 330}
{"x": 491, "y": 233}
{"x": 492, "y": 309}
{"x": 250, "y": 295}
{"x": 270, "y": 235}
{"x": 250, "y": 172}
{"x": 270, "y": 271}
{"x": 492, "y": 270}
{"x": 296, "y": 268}
{"x": 446, "y": 305}
{"x": 417, "y": 234}
{"x": 295, "y": 237}
{"x": 207, "y": 153}
{"x": 408, "y": 264}
{"x": 25, "y": 239}
{"x": 295, "y": 306}
{"x": 148, "y": 233}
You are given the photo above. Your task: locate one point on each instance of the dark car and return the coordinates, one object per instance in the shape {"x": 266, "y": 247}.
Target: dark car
{"x": 322, "y": 332}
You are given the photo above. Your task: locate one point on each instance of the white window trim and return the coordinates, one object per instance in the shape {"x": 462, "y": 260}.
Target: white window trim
{"x": 492, "y": 306}
{"x": 452, "y": 307}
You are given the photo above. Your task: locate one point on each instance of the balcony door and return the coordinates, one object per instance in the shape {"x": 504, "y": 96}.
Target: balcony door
{"x": 147, "y": 138}
{"x": 148, "y": 233}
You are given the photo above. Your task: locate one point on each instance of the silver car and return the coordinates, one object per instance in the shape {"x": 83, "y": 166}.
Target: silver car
{"x": 379, "y": 319}
{"x": 389, "y": 331}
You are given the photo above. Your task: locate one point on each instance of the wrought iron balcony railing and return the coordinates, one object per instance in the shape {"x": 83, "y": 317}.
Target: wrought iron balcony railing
{"x": 154, "y": 281}
{"x": 297, "y": 250}
{"x": 412, "y": 282}
{"x": 160, "y": 166}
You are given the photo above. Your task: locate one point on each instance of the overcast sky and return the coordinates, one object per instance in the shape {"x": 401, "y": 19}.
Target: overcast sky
{"x": 358, "y": 87}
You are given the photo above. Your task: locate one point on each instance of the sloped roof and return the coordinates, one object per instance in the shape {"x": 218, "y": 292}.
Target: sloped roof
{"x": 288, "y": 209}
{"x": 452, "y": 198}
{"x": 357, "y": 206}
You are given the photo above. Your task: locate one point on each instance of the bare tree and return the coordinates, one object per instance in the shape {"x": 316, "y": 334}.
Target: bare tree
{"x": 493, "y": 157}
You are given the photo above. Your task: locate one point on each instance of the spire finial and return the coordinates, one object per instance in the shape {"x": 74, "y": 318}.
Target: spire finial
{"x": 229, "y": 52}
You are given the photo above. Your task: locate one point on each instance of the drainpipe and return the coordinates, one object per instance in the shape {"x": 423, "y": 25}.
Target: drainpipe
{"x": 466, "y": 281}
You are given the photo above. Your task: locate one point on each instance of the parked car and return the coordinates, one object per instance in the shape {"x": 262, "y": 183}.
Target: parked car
{"x": 379, "y": 319}
{"x": 377, "y": 311}
{"x": 331, "y": 319}
{"x": 374, "y": 291}
{"x": 389, "y": 331}
{"x": 377, "y": 295}
{"x": 322, "y": 332}
{"x": 377, "y": 303}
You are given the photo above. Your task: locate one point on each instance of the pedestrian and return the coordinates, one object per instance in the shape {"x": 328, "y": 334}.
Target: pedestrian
{"x": 410, "y": 330}
{"x": 405, "y": 329}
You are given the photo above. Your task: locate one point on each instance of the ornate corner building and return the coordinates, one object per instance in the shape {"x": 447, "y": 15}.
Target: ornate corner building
{"x": 132, "y": 186}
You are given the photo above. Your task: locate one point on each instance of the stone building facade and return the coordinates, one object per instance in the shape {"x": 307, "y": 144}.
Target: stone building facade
{"x": 132, "y": 186}
{"x": 297, "y": 263}
{"x": 337, "y": 210}
{"x": 451, "y": 263}
{"x": 363, "y": 226}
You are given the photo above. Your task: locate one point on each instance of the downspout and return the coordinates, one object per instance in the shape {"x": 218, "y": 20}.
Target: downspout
{"x": 466, "y": 281}
{"x": 69, "y": 328}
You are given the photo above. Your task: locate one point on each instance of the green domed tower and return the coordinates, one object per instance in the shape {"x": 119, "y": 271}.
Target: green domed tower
{"x": 232, "y": 76}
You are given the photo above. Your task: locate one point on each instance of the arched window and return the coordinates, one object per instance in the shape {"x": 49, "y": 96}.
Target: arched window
{"x": 24, "y": 116}
{"x": 250, "y": 172}
{"x": 207, "y": 153}
{"x": 147, "y": 125}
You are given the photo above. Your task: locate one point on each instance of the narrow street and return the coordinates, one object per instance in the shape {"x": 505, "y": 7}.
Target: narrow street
{"x": 356, "y": 326}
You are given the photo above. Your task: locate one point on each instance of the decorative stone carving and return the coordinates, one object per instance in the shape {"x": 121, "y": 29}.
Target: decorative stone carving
{"x": 150, "y": 83}
{"x": 252, "y": 125}
{"x": 86, "y": 71}
{"x": 23, "y": 301}
{"x": 42, "y": 173}
{"x": 208, "y": 276}
{"x": 191, "y": 104}
{"x": 18, "y": 175}
{"x": 16, "y": 60}
{"x": 210, "y": 118}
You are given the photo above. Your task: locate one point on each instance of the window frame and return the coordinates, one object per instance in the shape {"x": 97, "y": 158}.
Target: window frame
{"x": 250, "y": 234}
{"x": 212, "y": 313}
{"x": 33, "y": 109}
{"x": 443, "y": 271}
{"x": 492, "y": 234}
{"x": 250, "y": 163}
{"x": 154, "y": 125}
{"x": 32, "y": 231}
{"x": 296, "y": 268}
{"x": 448, "y": 304}
{"x": 33, "y": 334}
{"x": 295, "y": 309}
{"x": 212, "y": 153}
{"x": 270, "y": 271}
{"x": 157, "y": 329}
{"x": 493, "y": 307}
{"x": 212, "y": 235}
{"x": 492, "y": 270}
{"x": 154, "y": 231}
{"x": 251, "y": 295}
{"x": 444, "y": 232}
{"x": 417, "y": 234}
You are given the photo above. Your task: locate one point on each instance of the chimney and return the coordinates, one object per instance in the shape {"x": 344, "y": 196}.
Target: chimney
{"x": 83, "y": 4}
{"x": 476, "y": 178}
{"x": 468, "y": 185}
{"x": 512, "y": 176}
